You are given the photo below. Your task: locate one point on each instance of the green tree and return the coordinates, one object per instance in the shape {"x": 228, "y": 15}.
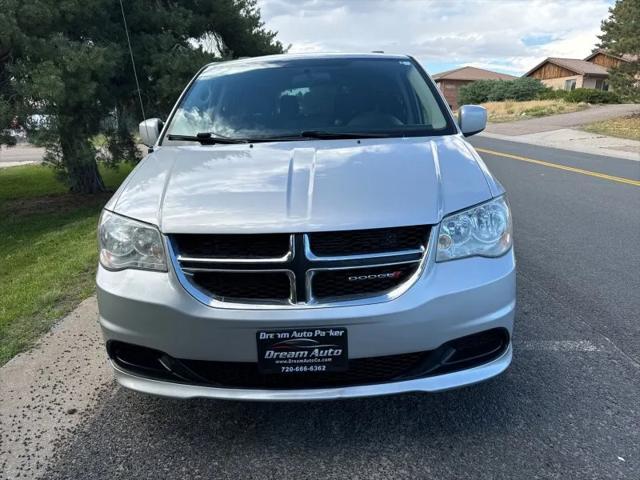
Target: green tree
{"x": 69, "y": 64}
{"x": 621, "y": 36}
{"x": 8, "y": 97}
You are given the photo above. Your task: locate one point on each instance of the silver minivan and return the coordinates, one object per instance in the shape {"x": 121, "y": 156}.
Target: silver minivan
{"x": 308, "y": 227}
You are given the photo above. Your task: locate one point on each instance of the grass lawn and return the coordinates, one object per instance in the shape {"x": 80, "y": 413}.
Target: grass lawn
{"x": 623, "y": 127}
{"x": 48, "y": 251}
{"x": 509, "y": 111}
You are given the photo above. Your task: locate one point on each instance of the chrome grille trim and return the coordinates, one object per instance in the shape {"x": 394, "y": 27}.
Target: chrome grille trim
{"x": 182, "y": 275}
{"x": 292, "y": 285}
{"x": 365, "y": 256}
{"x": 424, "y": 257}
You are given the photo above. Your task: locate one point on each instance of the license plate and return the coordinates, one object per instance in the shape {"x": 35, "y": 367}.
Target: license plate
{"x": 302, "y": 350}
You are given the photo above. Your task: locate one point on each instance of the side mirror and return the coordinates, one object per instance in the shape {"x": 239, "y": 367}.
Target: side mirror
{"x": 472, "y": 119}
{"x": 150, "y": 131}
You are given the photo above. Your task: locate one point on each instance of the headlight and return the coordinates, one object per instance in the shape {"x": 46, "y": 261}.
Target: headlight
{"x": 484, "y": 230}
{"x": 125, "y": 243}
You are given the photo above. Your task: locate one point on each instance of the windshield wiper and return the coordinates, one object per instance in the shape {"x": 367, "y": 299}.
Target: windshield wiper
{"x": 338, "y": 135}
{"x": 206, "y": 138}
{"x": 320, "y": 134}
{"x": 210, "y": 138}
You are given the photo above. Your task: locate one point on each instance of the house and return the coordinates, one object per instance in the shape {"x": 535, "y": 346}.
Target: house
{"x": 608, "y": 60}
{"x": 572, "y": 73}
{"x": 449, "y": 82}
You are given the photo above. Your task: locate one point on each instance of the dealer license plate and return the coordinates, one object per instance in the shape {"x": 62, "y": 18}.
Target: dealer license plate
{"x": 302, "y": 350}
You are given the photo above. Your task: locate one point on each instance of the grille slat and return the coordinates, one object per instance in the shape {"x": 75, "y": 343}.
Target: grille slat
{"x": 231, "y": 246}
{"x": 363, "y": 242}
{"x": 287, "y": 268}
{"x": 248, "y": 286}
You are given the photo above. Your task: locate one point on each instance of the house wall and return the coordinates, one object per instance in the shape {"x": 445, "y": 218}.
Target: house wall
{"x": 605, "y": 60}
{"x": 589, "y": 82}
{"x": 558, "y": 83}
{"x": 450, "y": 89}
{"x": 549, "y": 71}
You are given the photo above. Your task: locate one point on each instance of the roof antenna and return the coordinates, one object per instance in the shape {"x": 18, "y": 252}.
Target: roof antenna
{"x": 133, "y": 63}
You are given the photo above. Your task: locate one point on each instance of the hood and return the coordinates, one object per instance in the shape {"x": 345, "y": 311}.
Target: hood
{"x": 304, "y": 186}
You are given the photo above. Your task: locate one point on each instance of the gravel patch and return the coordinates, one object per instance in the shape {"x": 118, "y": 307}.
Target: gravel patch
{"x": 46, "y": 393}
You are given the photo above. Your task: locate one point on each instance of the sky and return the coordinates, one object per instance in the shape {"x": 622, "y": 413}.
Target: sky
{"x": 509, "y": 36}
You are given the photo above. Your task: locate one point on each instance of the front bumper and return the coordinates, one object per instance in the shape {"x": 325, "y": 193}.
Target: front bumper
{"x": 430, "y": 384}
{"x": 450, "y": 300}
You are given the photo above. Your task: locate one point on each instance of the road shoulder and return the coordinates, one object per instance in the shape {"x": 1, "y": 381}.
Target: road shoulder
{"x": 577, "y": 141}
{"x": 21, "y": 154}
{"x": 47, "y": 392}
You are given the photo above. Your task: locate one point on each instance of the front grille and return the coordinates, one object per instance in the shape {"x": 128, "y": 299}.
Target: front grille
{"x": 364, "y": 281}
{"x": 459, "y": 354}
{"x": 244, "y": 286}
{"x": 362, "y": 242}
{"x": 297, "y": 269}
{"x": 241, "y": 246}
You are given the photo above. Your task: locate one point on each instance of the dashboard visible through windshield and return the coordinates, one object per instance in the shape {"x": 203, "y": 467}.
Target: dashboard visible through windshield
{"x": 317, "y": 98}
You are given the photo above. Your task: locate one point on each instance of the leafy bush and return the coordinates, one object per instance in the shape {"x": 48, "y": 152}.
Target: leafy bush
{"x": 524, "y": 89}
{"x": 521, "y": 89}
{"x": 551, "y": 94}
{"x": 589, "y": 95}
{"x": 499, "y": 90}
{"x": 475, "y": 92}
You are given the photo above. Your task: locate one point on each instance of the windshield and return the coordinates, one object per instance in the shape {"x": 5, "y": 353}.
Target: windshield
{"x": 284, "y": 98}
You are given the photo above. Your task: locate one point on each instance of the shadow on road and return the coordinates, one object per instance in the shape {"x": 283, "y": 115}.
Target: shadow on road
{"x": 355, "y": 421}
{"x": 552, "y": 414}
{"x": 358, "y": 438}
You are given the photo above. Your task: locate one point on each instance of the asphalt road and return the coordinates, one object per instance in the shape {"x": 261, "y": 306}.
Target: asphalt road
{"x": 21, "y": 154}
{"x": 568, "y": 407}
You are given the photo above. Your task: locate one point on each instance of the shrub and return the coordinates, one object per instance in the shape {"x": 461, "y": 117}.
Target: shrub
{"x": 551, "y": 94}
{"x": 475, "y": 92}
{"x": 521, "y": 89}
{"x": 589, "y": 95}
{"x": 499, "y": 90}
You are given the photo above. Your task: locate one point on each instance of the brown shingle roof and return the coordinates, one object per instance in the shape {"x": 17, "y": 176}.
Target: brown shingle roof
{"x": 581, "y": 67}
{"x": 472, "y": 73}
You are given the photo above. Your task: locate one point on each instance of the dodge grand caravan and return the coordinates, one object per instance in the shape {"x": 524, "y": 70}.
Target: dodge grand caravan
{"x": 308, "y": 227}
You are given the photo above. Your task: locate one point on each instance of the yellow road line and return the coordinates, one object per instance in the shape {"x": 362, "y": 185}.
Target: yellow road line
{"x": 582, "y": 171}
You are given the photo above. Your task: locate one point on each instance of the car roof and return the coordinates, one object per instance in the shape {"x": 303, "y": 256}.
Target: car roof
{"x": 292, "y": 57}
